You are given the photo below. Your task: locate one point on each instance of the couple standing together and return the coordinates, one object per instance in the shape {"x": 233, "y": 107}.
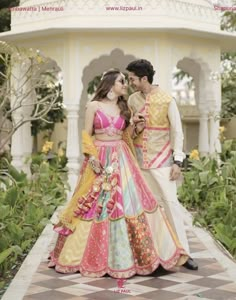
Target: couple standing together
{"x": 124, "y": 217}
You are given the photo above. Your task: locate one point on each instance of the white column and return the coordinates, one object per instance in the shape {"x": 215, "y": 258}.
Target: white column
{"x": 164, "y": 64}
{"x": 21, "y": 144}
{"x": 72, "y": 150}
{"x": 27, "y": 142}
{"x": 26, "y": 130}
{"x": 16, "y": 143}
{"x": 215, "y": 108}
{"x": 185, "y": 148}
{"x": 72, "y": 88}
{"x": 215, "y": 145}
{"x": 17, "y": 115}
{"x": 203, "y": 140}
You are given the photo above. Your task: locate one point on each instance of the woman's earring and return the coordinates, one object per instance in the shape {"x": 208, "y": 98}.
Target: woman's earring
{"x": 111, "y": 95}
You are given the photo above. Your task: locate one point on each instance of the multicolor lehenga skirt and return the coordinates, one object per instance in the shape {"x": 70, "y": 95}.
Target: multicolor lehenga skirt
{"x": 121, "y": 230}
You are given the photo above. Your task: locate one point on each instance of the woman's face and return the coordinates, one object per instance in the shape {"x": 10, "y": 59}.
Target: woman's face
{"x": 120, "y": 85}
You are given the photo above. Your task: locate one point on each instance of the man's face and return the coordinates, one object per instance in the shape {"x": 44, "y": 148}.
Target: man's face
{"x": 135, "y": 82}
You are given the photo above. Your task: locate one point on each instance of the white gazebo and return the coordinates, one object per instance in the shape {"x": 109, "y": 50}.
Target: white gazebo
{"x": 86, "y": 37}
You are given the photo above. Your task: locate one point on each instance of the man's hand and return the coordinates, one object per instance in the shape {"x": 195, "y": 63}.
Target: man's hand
{"x": 175, "y": 172}
{"x": 139, "y": 122}
{"x": 138, "y": 117}
{"x": 140, "y": 126}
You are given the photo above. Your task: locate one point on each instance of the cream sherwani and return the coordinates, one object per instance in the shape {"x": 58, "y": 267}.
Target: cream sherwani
{"x": 155, "y": 152}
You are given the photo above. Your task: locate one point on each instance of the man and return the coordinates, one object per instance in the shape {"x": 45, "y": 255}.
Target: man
{"x": 155, "y": 119}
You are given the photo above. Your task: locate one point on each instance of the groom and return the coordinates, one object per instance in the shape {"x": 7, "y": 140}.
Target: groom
{"x": 155, "y": 119}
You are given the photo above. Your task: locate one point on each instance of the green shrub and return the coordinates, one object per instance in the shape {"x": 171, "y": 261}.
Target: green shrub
{"x": 209, "y": 189}
{"x": 26, "y": 206}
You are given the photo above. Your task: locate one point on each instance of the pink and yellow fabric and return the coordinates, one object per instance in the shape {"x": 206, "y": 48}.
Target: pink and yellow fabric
{"x": 113, "y": 224}
{"x": 110, "y": 125}
{"x": 153, "y": 150}
{"x": 67, "y": 218}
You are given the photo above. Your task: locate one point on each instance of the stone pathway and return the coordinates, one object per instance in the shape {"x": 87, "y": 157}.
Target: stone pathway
{"x": 215, "y": 279}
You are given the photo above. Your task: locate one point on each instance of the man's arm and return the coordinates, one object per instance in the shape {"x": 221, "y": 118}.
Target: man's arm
{"x": 177, "y": 131}
{"x": 137, "y": 120}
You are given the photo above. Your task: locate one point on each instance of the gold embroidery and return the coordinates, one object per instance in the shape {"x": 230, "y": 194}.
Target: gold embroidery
{"x": 154, "y": 142}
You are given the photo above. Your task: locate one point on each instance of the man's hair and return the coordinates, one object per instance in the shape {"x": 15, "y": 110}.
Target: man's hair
{"x": 141, "y": 68}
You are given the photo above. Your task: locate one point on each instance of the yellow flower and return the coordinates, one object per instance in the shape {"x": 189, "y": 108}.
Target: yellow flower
{"x": 60, "y": 152}
{"x": 221, "y": 129}
{"x": 194, "y": 154}
{"x": 47, "y": 147}
{"x": 44, "y": 149}
{"x": 221, "y": 133}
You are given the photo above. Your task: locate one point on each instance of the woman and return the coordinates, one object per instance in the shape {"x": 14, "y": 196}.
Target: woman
{"x": 113, "y": 223}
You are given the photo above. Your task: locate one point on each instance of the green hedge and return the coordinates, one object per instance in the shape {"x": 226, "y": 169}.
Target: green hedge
{"x": 26, "y": 206}
{"x": 209, "y": 189}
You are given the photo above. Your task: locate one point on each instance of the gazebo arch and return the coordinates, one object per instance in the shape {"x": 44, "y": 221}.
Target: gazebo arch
{"x": 208, "y": 95}
{"x": 115, "y": 59}
{"x": 76, "y": 105}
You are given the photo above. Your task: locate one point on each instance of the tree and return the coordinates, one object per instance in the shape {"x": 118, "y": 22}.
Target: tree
{"x": 53, "y": 116}
{"x": 5, "y": 14}
{"x": 20, "y": 100}
{"x": 228, "y": 85}
{"x": 228, "y": 23}
{"x": 228, "y": 20}
{"x": 228, "y": 71}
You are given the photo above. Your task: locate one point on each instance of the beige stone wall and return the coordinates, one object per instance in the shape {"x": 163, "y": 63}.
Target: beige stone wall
{"x": 230, "y": 132}
{"x": 190, "y": 135}
{"x": 59, "y": 135}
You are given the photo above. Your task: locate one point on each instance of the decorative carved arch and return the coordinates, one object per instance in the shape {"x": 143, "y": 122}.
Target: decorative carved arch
{"x": 200, "y": 71}
{"x": 116, "y": 59}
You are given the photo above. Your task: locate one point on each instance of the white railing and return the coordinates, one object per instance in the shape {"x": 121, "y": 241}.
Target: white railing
{"x": 189, "y": 112}
{"x": 184, "y": 96}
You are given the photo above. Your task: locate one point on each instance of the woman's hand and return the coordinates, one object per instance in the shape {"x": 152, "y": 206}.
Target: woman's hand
{"x": 95, "y": 165}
